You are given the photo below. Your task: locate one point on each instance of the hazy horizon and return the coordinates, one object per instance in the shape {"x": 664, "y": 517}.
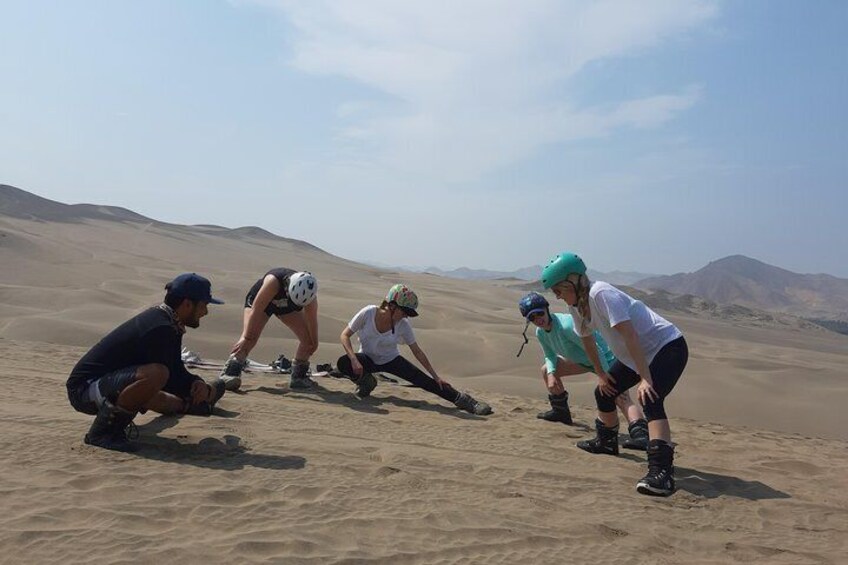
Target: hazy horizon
{"x": 652, "y": 137}
{"x": 423, "y": 268}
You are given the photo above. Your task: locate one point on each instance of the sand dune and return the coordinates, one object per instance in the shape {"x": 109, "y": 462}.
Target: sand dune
{"x": 321, "y": 477}
{"x": 279, "y": 476}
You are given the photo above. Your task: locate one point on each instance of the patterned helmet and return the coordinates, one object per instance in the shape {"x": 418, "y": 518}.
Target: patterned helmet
{"x": 531, "y": 303}
{"x": 405, "y": 299}
{"x": 560, "y": 267}
{"x": 303, "y": 288}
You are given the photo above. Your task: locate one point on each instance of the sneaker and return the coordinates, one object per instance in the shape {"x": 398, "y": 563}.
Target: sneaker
{"x": 304, "y": 383}
{"x": 231, "y": 374}
{"x": 231, "y": 383}
{"x": 366, "y": 383}
{"x": 217, "y": 389}
{"x": 466, "y": 402}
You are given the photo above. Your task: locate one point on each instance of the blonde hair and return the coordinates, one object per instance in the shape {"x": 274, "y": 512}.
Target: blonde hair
{"x": 581, "y": 286}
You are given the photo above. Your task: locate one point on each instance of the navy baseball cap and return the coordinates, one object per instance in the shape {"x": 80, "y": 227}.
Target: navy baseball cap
{"x": 192, "y": 286}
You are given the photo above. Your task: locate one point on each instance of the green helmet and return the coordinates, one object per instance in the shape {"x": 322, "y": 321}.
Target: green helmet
{"x": 560, "y": 267}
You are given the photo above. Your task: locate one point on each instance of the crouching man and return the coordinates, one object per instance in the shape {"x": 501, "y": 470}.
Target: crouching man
{"x": 137, "y": 367}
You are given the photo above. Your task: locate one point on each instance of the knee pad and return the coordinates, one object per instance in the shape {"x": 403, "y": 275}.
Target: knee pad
{"x": 344, "y": 366}
{"x": 604, "y": 403}
{"x": 655, "y": 410}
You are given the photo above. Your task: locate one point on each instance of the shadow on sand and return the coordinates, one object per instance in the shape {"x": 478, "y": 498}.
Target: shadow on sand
{"x": 369, "y": 405}
{"x": 713, "y": 485}
{"x": 209, "y": 452}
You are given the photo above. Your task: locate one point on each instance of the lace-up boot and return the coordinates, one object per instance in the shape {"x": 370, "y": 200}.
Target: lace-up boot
{"x": 660, "y": 478}
{"x": 300, "y": 376}
{"x": 559, "y": 412}
{"x": 109, "y": 428}
{"x": 638, "y": 430}
{"x": 605, "y": 442}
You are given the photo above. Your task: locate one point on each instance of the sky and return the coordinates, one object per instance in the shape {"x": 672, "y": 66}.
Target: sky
{"x": 651, "y": 136}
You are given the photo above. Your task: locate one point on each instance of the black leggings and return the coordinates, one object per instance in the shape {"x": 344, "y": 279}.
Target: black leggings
{"x": 398, "y": 367}
{"x": 666, "y": 368}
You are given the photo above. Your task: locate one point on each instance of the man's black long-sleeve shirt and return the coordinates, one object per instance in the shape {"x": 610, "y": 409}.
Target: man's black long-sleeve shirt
{"x": 150, "y": 337}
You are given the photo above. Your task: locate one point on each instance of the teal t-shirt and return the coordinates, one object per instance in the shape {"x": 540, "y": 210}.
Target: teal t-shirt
{"x": 562, "y": 340}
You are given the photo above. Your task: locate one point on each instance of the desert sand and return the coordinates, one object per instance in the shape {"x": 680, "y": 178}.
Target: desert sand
{"x": 278, "y": 476}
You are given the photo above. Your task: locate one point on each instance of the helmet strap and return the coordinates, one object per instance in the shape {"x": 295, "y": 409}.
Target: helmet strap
{"x": 524, "y": 335}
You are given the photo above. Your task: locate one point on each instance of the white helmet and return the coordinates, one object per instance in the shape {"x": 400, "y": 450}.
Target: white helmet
{"x": 303, "y": 288}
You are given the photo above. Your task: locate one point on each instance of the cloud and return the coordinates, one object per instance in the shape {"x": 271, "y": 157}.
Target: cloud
{"x": 466, "y": 88}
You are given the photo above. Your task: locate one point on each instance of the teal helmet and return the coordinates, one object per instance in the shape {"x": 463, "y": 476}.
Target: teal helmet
{"x": 560, "y": 267}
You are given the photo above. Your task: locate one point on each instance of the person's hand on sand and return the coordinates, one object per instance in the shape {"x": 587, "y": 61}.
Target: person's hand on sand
{"x": 241, "y": 348}
{"x": 605, "y": 384}
{"x": 646, "y": 392}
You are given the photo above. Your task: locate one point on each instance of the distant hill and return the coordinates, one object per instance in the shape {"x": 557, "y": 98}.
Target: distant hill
{"x": 17, "y": 203}
{"x": 751, "y": 283}
{"x": 532, "y": 273}
{"x": 669, "y": 303}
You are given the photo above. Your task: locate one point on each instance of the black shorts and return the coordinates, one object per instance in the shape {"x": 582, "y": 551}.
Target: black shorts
{"x": 88, "y": 397}
{"x": 272, "y": 309}
{"x": 666, "y": 368}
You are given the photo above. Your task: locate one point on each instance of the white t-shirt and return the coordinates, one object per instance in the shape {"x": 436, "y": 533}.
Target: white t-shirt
{"x": 380, "y": 347}
{"x": 609, "y": 307}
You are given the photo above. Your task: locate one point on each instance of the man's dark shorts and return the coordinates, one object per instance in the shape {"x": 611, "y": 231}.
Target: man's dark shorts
{"x": 88, "y": 397}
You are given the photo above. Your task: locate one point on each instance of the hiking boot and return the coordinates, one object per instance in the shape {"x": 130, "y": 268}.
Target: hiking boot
{"x": 660, "y": 478}
{"x": 638, "y": 430}
{"x": 605, "y": 442}
{"x": 301, "y": 384}
{"x": 217, "y": 390}
{"x": 300, "y": 376}
{"x": 365, "y": 384}
{"x": 466, "y": 402}
{"x": 231, "y": 375}
{"x": 108, "y": 429}
{"x": 559, "y": 411}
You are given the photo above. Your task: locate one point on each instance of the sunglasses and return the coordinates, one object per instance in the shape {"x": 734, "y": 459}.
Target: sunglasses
{"x": 536, "y": 316}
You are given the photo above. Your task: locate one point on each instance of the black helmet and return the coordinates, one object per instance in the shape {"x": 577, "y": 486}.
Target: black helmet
{"x": 532, "y": 302}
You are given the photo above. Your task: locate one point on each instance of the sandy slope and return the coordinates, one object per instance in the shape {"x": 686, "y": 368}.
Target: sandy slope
{"x": 71, "y": 283}
{"x": 280, "y": 476}
{"x": 402, "y": 477}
